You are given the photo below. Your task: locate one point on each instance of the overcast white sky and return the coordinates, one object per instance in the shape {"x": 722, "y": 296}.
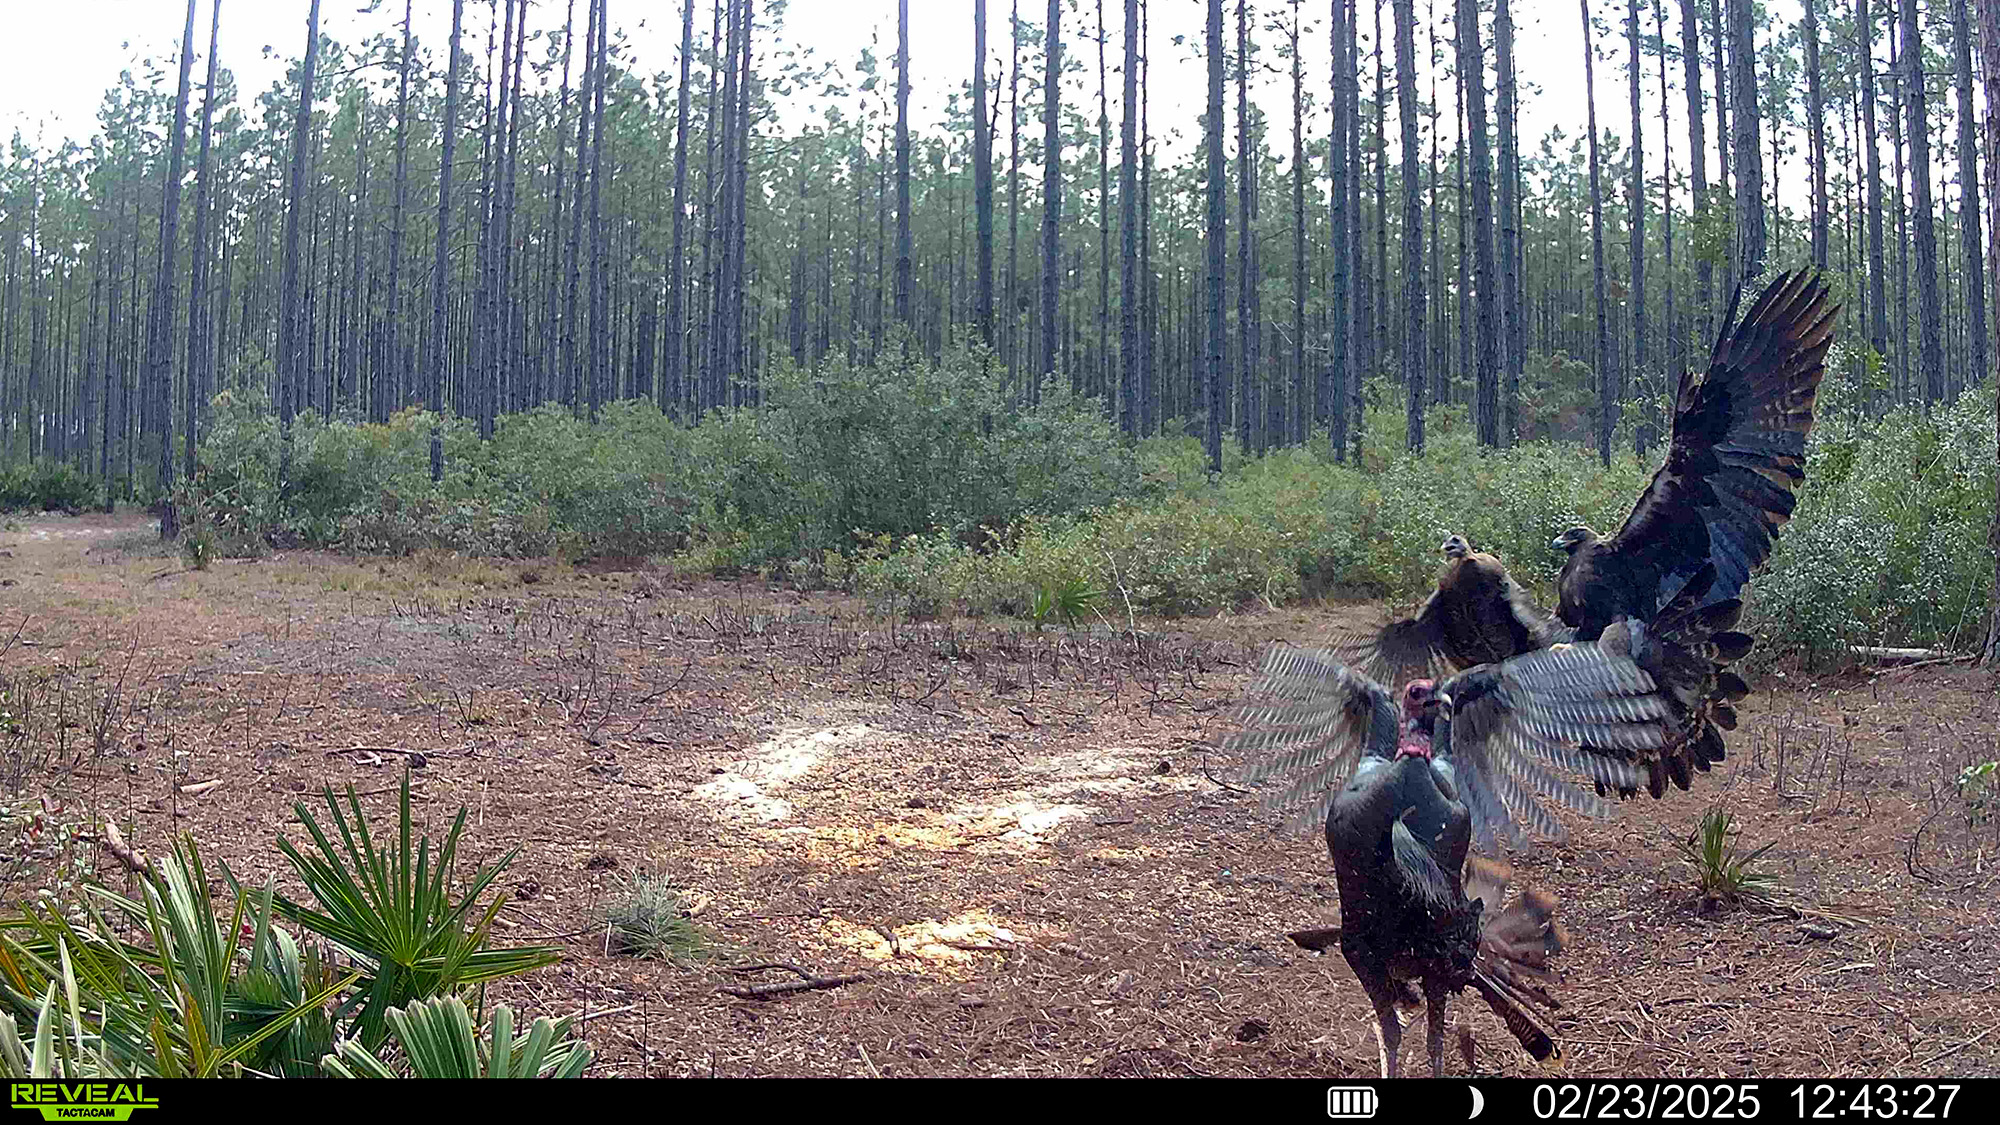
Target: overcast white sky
{"x": 57, "y": 59}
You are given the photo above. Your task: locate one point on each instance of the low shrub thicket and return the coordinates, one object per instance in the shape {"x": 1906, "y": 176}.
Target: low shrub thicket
{"x": 821, "y": 462}
{"x": 45, "y": 487}
{"x": 1889, "y": 544}
{"x": 920, "y": 486}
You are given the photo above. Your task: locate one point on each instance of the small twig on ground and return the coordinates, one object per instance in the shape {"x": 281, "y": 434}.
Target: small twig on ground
{"x": 767, "y": 965}
{"x": 1205, "y": 773}
{"x": 416, "y": 757}
{"x": 1960, "y": 1047}
{"x": 765, "y": 991}
{"x": 199, "y": 788}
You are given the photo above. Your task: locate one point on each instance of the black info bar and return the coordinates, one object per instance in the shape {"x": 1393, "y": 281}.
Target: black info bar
{"x": 1657, "y": 1099}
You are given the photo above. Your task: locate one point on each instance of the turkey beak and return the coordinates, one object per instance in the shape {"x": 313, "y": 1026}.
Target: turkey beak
{"x": 1557, "y": 544}
{"x": 1443, "y": 700}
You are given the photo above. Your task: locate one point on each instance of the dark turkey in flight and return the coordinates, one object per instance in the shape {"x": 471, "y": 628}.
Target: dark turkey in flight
{"x": 1708, "y": 518}
{"x": 1476, "y": 615}
{"x": 1459, "y": 759}
{"x": 1733, "y": 467}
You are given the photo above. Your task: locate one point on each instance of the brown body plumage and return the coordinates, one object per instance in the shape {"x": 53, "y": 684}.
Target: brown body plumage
{"x": 1476, "y": 615}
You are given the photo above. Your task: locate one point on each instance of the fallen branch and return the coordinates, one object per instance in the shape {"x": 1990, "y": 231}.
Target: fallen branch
{"x": 765, "y": 991}
{"x": 1962, "y": 658}
{"x": 133, "y": 859}
{"x": 1319, "y": 941}
{"x": 1882, "y": 655}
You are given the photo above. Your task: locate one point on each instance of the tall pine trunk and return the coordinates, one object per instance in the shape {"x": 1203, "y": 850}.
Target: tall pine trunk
{"x": 1014, "y": 202}
{"x": 292, "y": 322}
{"x": 1930, "y": 340}
{"x": 1472, "y": 62}
{"x": 600, "y": 311}
{"x": 1746, "y": 145}
{"x": 1246, "y": 241}
{"x": 1607, "y": 396}
{"x": 1300, "y": 418}
{"x": 1128, "y": 231}
{"x": 903, "y": 164}
{"x": 1704, "y": 269}
{"x": 1331, "y": 403}
{"x": 160, "y": 331}
{"x": 1671, "y": 335}
{"x": 674, "y": 361}
{"x": 1636, "y": 207}
{"x": 1816, "y": 134}
{"x": 1878, "y": 280}
{"x": 1989, "y": 76}
{"x": 573, "y": 390}
{"x": 982, "y": 180}
{"x": 440, "y": 273}
{"x": 1415, "y": 347}
{"x": 1214, "y": 233}
{"x": 1513, "y": 342}
{"x": 1051, "y": 195}
{"x": 1970, "y": 239}
{"x": 197, "y": 341}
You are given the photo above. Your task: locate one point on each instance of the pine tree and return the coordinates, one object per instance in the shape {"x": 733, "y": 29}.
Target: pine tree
{"x": 1415, "y": 347}
{"x": 1051, "y": 193}
{"x": 1215, "y": 233}
{"x": 1472, "y": 63}
{"x": 1930, "y": 328}
{"x": 160, "y": 332}
{"x": 440, "y": 277}
{"x": 1607, "y": 392}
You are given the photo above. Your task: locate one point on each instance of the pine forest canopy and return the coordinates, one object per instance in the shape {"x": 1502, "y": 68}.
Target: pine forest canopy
{"x": 1241, "y": 238}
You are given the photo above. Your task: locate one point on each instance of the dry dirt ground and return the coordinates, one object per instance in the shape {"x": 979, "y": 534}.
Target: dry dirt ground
{"x": 1023, "y": 840}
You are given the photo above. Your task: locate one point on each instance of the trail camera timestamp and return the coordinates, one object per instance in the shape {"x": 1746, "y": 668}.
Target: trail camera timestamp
{"x": 1874, "y": 1101}
{"x": 1744, "y": 1101}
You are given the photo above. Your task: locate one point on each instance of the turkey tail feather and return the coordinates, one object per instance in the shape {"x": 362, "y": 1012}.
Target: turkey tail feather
{"x": 1511, "y": 968}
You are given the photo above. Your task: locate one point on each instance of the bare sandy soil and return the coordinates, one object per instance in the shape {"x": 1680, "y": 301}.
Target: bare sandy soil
{"x": 1023, "y": 840}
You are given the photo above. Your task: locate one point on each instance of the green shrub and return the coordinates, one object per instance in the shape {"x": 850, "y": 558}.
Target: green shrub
{"x": 1888, "y": 545}
{"x": 46, "y": 486}
{"x": 1890, "y": 541}
{"x": 824, "y": 460}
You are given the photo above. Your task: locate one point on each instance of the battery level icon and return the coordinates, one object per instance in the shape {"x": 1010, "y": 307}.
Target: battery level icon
{"x": 1350, "y": 1101}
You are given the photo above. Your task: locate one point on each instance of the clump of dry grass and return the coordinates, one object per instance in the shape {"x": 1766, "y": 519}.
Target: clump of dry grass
{"x": 646, "y": 917}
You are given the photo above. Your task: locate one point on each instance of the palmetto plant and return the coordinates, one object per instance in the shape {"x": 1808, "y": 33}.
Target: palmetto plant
{"x": 1069, "y": 599}
{"x": 439, "y": 1040}
{"x": 395, "y": 911}
{"x": 187, "y": 1002}
{"x": 170, "y": 982}
{"x": 50, "y": 1055}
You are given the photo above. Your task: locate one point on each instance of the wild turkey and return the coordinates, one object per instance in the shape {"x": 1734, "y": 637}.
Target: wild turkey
{"x": 1460, "y": 759}
{"x": 1476, "y": 615}
{"x": 1707, "y": 520}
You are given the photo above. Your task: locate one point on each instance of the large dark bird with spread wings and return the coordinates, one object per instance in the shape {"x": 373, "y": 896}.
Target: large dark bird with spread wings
{"x": 1710, "y": 515}
{"x": 1405, "y": 790}
{"x": 1477, "y": 615}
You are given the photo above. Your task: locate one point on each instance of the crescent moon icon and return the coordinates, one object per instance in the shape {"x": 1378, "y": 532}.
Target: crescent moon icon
{"x": 1478, "y": 1101}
